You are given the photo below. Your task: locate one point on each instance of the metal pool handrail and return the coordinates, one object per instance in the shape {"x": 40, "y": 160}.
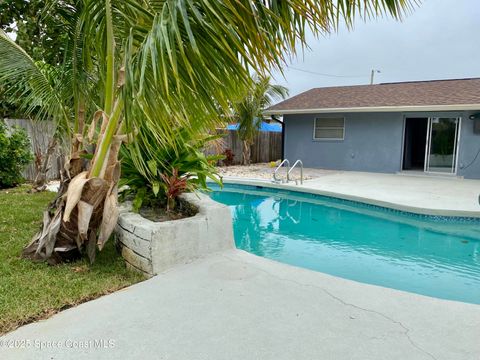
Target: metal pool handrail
{"x": 301, "y": 171}
{"x": 285, "y": 161}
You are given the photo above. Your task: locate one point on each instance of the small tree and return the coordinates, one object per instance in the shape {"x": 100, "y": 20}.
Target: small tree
{"x": 249, "y": 111}
{"x": 15, "y": 154}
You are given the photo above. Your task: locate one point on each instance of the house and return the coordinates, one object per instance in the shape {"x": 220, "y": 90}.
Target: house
{"x": 432, "y": 127}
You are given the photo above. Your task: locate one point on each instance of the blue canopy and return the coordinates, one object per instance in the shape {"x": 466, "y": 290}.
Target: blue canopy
{"x": 273, "y": 127}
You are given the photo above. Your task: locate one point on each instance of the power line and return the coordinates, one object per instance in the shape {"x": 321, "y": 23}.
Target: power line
{"x": 328, "y": 75}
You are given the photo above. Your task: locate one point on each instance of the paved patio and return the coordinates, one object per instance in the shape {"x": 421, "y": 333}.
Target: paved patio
{"x": 234, "y": 305}
{"x": 437, "y": 195}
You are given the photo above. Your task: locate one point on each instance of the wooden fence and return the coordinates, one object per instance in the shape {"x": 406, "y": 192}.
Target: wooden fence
{"x": 267, "y": 146}
{"x": 40, "y": 134}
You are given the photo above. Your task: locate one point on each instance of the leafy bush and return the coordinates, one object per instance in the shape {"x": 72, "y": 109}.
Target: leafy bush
{"x": 229, "y": 157}
{"x": 15, "y": 154}
{"x": 156, "y": 175}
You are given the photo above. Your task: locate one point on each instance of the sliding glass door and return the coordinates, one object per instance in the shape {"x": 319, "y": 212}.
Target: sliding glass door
{"x": 442, "y": 143}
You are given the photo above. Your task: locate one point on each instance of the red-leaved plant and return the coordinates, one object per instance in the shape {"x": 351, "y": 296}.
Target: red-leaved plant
{"x": 175, "y": 186}
{"x": 229, "y": 156}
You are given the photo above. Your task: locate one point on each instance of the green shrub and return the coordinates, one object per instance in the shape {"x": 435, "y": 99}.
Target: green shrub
{"x": 156, "y": 174}
{"x": 15, "y": 154}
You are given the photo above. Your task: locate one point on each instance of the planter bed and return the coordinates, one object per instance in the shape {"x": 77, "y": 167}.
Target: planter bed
{"x": 153, "y": 247}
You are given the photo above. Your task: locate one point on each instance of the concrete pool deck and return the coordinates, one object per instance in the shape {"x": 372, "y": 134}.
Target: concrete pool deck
{"x": 434, "y": 195}
{"x": 234, "y": 305}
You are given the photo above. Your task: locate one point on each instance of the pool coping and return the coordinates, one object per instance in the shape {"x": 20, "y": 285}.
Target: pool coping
{"x": 366, "y": 200}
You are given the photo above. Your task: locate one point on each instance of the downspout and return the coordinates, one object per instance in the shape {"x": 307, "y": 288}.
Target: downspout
{"x": 283, "y": 134}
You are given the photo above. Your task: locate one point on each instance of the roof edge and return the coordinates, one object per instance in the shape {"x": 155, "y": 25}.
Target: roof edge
{"x": 454, "y": 107}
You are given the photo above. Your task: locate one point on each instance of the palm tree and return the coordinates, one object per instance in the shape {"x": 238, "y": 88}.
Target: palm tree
{"x": 158, "y": 65}
{"x": 248, "y": 112}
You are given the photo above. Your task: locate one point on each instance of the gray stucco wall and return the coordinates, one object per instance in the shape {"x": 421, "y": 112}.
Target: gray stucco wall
{"x": 373, "y": 142}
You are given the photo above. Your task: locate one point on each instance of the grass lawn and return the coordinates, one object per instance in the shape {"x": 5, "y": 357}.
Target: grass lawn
{"x": 30, "y": 291}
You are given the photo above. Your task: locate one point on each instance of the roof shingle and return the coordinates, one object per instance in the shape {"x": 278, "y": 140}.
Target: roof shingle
{"x": 418, "y": 93}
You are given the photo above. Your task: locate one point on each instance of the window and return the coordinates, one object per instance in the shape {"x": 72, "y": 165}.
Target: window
{"x": 329, "y": 128}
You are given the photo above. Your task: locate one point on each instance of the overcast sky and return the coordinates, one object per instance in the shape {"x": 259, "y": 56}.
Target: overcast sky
{"x": 439, "y": 40}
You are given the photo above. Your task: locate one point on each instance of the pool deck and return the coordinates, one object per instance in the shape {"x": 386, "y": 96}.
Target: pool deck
{"x": 434, "y": 195}
{"x": 234, "y": 305}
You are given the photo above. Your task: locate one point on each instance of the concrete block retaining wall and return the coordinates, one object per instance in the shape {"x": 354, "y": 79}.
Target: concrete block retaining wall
{"x": 152, "y": 247}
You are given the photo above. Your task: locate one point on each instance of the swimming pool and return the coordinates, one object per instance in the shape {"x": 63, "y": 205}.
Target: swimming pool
{"x": 428, "y": 255}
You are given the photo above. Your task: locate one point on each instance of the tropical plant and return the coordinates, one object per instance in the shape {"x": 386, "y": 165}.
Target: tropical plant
{"x": 175, "y": 185}
{"x": 248, "y": 112}
{"x": 158, "y": 175}
{"x": 229, "y": 157}
{"x": 46, "y": 136}
{"x": 158, "y": 65}
{"x": 37, "y": 31}
{"x": 45, "y": 141}
{"x": 7, "y": 110}
{"x": 15, "y": 154}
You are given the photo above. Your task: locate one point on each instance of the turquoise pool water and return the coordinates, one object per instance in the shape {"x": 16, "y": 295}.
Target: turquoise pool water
{"x": 429, "y": 255}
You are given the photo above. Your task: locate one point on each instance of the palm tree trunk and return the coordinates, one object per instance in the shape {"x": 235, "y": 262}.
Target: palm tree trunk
{"x": 40, "y": 182}
{"x": 85, "y": 212}
{"x": 246, "y": 153}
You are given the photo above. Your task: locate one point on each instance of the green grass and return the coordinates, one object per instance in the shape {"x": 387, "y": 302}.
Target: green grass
{"x": 31, "y": 291}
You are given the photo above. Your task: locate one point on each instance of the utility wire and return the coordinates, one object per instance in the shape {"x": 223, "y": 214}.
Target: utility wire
{"x": 328, "y": 75}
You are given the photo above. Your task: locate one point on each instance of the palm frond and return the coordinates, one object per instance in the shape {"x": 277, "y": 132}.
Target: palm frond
{"x": 28, "y": 85}
{"x": 249, "y": 110}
